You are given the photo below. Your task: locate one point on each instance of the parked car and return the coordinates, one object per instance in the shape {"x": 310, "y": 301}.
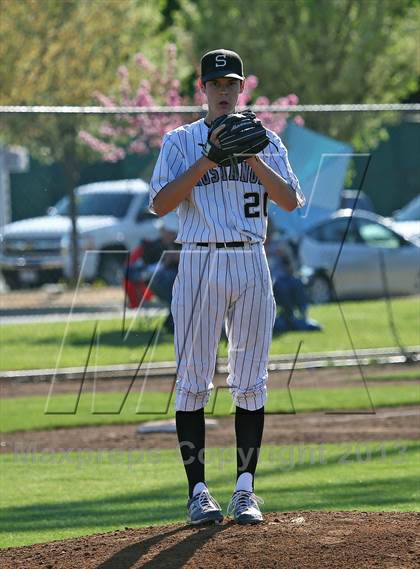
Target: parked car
{"x": 113, "y": 217}
{"x": 355, "y": 199}
{"x": 370, "y": 244}
{"x": 407, "y": 220}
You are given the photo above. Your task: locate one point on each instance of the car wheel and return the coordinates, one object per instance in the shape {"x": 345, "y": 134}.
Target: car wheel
{"x": 11, "y": 279}
{"x": 320, "y": 290}
{"x": 112, "y": 268}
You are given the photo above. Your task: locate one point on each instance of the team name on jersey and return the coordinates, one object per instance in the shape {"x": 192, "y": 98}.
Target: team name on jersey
{"x": 238, "y": 173}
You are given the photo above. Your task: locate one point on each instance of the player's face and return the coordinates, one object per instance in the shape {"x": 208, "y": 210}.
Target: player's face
{"x": 222, "y": 95}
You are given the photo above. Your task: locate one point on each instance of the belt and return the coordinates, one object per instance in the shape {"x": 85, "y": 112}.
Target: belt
{"x": 223, "y": 245}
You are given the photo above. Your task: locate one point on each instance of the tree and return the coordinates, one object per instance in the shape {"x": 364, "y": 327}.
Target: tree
{"x": 328, "y": 51}
{"x": 57, "y": 52}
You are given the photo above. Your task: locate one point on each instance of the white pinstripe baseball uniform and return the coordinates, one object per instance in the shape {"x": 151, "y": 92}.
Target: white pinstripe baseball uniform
{"x": 217, "y": 284}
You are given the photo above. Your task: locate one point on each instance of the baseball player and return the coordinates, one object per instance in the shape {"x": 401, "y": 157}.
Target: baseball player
{"x": 220, "y": 195}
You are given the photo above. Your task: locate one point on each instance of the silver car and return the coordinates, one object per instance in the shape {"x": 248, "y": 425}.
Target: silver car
{"x": 357, "y": 255}
{"x": 407, "y": 220}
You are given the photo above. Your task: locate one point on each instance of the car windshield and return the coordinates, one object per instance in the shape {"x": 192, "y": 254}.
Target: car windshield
{"x": 376, "y": 235}
{"x": 411, "y": 212}
{"x": 96, "y": 203}
{"x": 348, "y": 200}
{"x": 335, "y": 231}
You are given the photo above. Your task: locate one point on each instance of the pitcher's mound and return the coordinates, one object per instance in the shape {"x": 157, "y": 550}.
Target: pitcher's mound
{"x": 295, "y": 540}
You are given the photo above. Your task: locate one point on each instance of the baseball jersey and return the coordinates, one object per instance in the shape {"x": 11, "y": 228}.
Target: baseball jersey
{"x": 228, "y": 203}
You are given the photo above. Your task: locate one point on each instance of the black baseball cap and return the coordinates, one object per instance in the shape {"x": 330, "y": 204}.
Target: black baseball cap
{"x": 221, "y": 63}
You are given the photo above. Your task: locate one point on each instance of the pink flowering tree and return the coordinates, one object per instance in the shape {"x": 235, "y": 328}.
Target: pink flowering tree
{"x": 125, "y": 134}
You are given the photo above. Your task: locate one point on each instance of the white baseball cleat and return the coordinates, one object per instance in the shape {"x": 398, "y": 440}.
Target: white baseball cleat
{"x": 245, "y": 508}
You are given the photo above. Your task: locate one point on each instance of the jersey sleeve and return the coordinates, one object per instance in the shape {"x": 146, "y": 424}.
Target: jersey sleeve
{"x": 170, "y": 164}
{"x": 275, "y": 155}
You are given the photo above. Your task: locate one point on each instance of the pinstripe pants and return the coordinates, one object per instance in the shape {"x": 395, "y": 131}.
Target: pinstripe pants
{"x": 215, "y": 287}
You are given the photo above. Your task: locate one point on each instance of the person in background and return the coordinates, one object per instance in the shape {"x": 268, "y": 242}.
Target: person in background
{"x": 289, "y": 291}
{"x": 153, "y": 267}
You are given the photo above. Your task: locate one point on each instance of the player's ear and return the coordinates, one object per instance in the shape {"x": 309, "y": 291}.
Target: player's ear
{"x": 201, "y": 85}
{"x": 242, "y": 86}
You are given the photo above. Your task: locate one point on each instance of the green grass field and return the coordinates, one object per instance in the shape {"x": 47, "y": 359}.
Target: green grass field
{"x": 55, "y": 496}
{"x": 47, "y": 496}
{"x": 412, "y": 375}
{"x": 38, "y": 345}
{"x": 27, "y": 413}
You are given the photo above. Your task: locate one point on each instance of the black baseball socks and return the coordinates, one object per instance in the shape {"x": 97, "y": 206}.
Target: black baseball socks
{"x": 249, "y": 427}
{"x": 190, "y": 427}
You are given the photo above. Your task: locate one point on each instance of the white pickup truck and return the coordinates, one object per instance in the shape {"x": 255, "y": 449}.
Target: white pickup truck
{"x": 113, "y": 218}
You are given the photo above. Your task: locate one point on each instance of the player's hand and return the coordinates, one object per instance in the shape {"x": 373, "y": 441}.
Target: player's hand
{"x": 252, "y": 160}
{"x": 214, "y": 138}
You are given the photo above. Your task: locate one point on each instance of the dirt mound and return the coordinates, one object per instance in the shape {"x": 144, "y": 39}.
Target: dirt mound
{"x": 295, "y": 540}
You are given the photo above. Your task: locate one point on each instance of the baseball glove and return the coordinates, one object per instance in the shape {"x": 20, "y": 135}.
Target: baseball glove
{"x": 242, "y": 137}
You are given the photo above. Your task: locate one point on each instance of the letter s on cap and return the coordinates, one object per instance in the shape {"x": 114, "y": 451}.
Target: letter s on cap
{"x": 220, "y": 60}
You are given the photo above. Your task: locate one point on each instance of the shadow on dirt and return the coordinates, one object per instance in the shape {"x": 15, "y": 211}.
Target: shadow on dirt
{"x": 174, "y": 556}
